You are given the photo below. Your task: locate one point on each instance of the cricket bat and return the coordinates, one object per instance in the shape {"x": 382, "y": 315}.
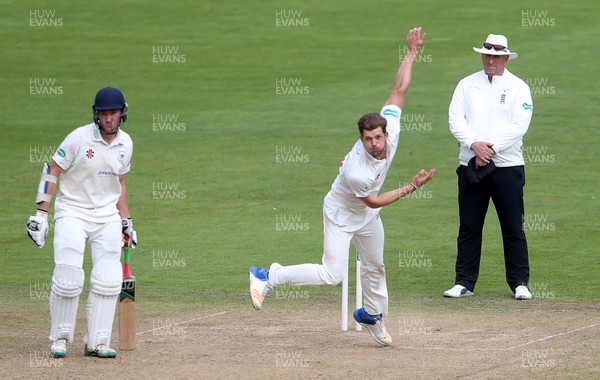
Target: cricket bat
{"x": 127, "y": 303}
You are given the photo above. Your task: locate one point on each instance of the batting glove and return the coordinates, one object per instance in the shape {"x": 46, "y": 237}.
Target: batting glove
{"x": 129, "y": 231}
{"x": 37, "y": 227}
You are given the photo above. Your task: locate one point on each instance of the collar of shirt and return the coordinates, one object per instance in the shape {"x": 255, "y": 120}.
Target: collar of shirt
{"x": 372, "y": 160}
{"x": 496, "y": 79}
{"x": 98, "y": 137}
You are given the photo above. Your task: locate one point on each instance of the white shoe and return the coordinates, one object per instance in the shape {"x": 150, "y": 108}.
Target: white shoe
{"x": 522, "y": 293}
{"x": 58, "y": 349}
{"x": 101, "y": 351}
{"x": 374, "y": 325}
{"x": 259, "y": 286}
{"x": 458, "y": 291}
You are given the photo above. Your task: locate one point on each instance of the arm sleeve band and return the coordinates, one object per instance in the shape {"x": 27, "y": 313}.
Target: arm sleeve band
{"x": 43, "y": 195}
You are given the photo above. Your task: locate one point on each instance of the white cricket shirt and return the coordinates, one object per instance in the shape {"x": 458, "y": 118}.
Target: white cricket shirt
{"x": 89, "y": 187}
{"x": 361, "y": 175}
{"x": 498, "y": 112}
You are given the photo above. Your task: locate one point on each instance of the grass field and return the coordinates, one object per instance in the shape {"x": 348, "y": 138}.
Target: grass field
{"x": 240, "y": 113}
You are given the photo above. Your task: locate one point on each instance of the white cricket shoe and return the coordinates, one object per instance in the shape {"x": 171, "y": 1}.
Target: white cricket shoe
{"x": 58, "y": 349}
{"x": 101, "y": 351}
{"x": 458, "y": 291}
{"x": 259, "y": 286}
{"x": 374, "y": 325}
{"x": 522, "y": 293}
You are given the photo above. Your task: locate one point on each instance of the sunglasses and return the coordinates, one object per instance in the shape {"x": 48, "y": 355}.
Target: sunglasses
{"x": 489, "y": 46}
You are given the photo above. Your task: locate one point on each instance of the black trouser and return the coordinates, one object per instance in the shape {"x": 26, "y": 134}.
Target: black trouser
{"x": 505, "y": 187}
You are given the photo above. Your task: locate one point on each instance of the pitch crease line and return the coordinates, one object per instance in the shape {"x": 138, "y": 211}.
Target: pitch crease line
{"x": 180, "y": 323}
{"x": 553, "y": 336}
{"x": 498, "y": 349}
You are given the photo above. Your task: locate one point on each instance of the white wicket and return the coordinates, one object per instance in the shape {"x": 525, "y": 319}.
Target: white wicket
{"x": 345, "y": 302}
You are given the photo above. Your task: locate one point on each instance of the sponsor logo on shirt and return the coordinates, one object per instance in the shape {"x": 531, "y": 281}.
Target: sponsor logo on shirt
{"x": 90, "y": 153}
{"x": 528, "y": 107}
{"x": 61, "y": 152}
{"x": 106, "y": 173}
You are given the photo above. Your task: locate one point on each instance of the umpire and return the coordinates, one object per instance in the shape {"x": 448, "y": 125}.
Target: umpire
{"x": 489, "y": 114}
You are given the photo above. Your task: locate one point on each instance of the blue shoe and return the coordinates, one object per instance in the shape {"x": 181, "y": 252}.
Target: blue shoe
{"x": 259, "y": 286}
{"x": 375, "y": 326}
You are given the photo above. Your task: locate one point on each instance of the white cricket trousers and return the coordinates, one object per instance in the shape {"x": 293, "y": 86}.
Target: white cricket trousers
{"x": 368, "y": 240}
{"x": 71, "y": 234}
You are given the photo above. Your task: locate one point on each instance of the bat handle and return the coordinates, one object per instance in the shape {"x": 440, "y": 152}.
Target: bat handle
{"x": 127, "y": 271}
{"x": 126, "y": 259}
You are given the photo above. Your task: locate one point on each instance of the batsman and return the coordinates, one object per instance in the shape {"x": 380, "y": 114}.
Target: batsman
{"x": 90, "y": 206}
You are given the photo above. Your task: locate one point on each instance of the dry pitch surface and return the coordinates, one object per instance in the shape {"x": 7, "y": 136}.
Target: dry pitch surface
{"x": 302, "y": 340}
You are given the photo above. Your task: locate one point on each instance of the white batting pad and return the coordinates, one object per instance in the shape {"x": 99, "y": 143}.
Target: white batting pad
{"x": 105, "y": 287}
{"x": 67, "y": 284}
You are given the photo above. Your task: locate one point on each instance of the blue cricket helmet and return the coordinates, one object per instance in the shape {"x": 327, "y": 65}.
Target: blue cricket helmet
{"x": 109, "y": 98}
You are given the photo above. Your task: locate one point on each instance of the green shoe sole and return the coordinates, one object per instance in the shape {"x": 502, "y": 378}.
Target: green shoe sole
{"x": 109, "y": 355}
